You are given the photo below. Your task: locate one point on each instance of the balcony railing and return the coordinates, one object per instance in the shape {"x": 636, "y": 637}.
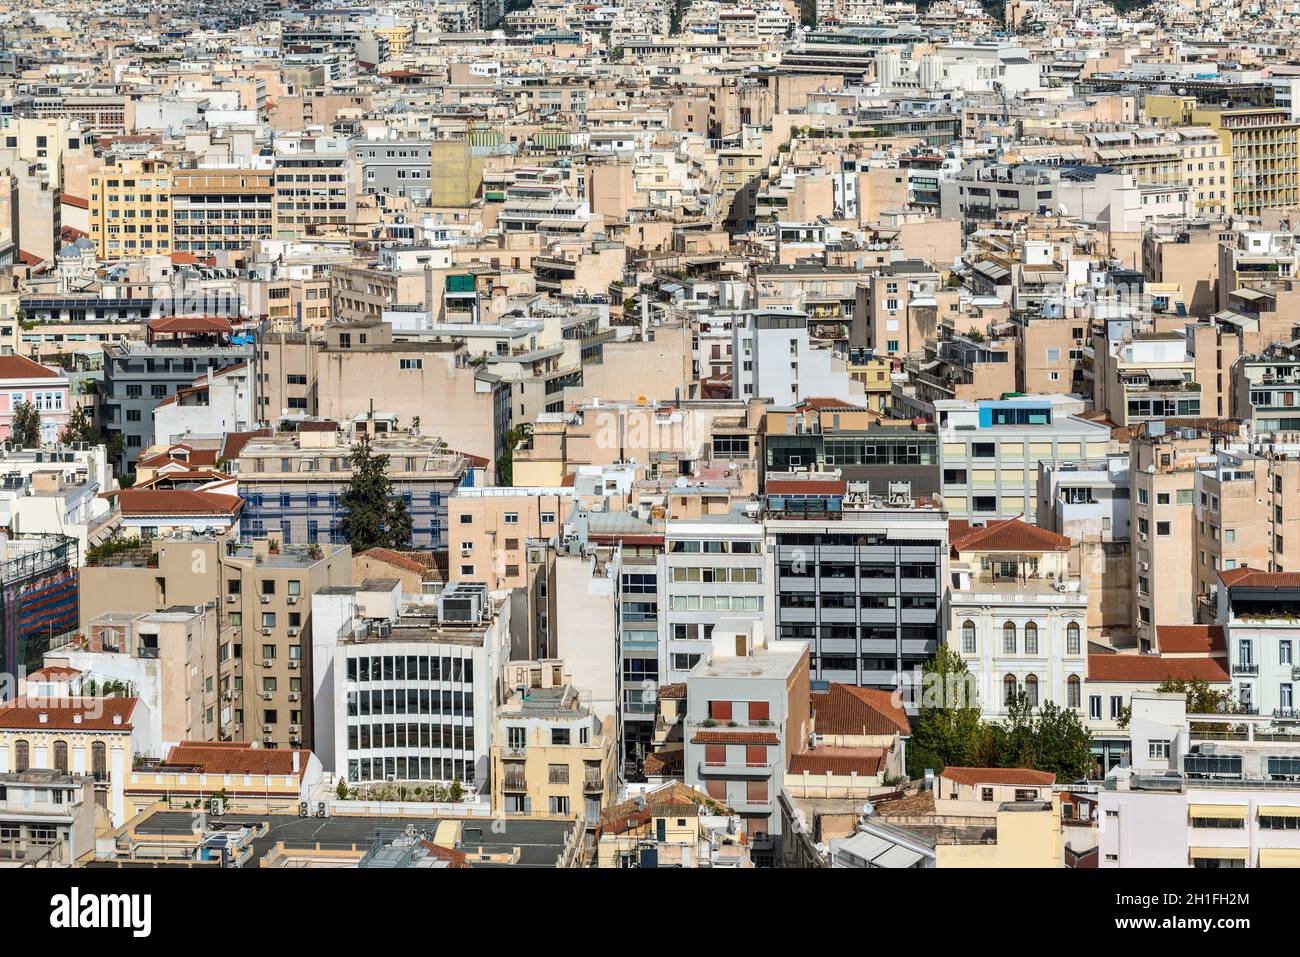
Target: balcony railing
{"x": 1245, "y": 668}
{"x": 514, "y": 782}
{"x": 593, "y": 784}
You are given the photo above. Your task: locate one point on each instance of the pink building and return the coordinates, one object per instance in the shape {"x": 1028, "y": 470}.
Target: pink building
{"x": 22, "y": 380}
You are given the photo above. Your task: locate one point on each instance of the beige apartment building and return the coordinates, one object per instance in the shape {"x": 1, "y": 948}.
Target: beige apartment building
{"x": 131, "y": 208}
{"x": 488, "y": 531}
{"x": 553, "y": 757}
{"x": 1163, "y": 530}
{"x": 349, "y": 369}
{"x": 263, "y": 595}
{"x": 219, "y": 209}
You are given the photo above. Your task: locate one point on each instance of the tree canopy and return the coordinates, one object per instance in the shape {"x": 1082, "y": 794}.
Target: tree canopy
{"x": 25, "y": 426}
{"x": 374, "y": 517}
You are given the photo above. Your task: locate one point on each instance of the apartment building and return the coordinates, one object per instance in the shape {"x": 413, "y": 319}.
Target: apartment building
{"x": 47, "y": 818}
{"x": 292, "y": 484}
{"x": 263, "y": 591}
{"x": 131, "y": 208}
{"x": 748, "y": 711}
{"x": 221, "y": 209}
{"x": 140, "y": 375}
{"x": 861, "y": 580}
{"x": 671, "y": 826}
{"x": 989, "y": 453}
{"x": 1257, "y": 612}
{"x": 99, "y": 738}
{"x": 167, "y": 659}
{"x": 24, "y": 382}
{"x": 774, "y": 359}
{"x": 552, "y": 757}
{"x": 1018, "y": 615}
{"x": 899, "y": 307}
{"x": 313, "y": 184}
{"x": 39, "y": 582}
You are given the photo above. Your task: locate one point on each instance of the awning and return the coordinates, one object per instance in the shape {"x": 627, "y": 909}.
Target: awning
{"x": 1221, "y": 853}
{"x": 1228, "y": 812}
{"x": 897, "y": 856}
{"x": 1279, "y": 857}
{"x": 1279, "y": 810}
{"x": 1165, "y": 375}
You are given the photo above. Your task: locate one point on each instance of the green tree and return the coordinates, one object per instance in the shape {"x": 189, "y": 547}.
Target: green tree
{"x": 1201, "y": 699}
{"x": 25, "y": 427}
{"x": 342, "y": 790}
{"x": 373, "y": 516}
{"x": 948, "y": 728}
{"x": 506, "y": 461}
{"x": 1062, "y": 744}
{"x": 79, "y": 428}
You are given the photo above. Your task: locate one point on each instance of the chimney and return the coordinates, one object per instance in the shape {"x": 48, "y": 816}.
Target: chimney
{"x": 117, "y": 719}
{"x": 296, "y": 759}
{"x": 43, "y": 718}
{"x": 76, "y": 719}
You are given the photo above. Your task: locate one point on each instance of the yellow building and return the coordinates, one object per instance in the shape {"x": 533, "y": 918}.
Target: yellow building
{"x": 398, "y": 37}
{"x": 552, "y": 757}
{"x": 131, "y": 209}
{"x": 1262, "y": 146}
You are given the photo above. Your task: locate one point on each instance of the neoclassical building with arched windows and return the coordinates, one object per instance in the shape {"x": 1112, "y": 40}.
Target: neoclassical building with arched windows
{"x": 1017, "y": 615}
{"x": 93, "y": 736}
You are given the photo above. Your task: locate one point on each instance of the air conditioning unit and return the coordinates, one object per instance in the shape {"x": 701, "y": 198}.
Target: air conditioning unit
{"x": 228, "y": 696}
{"x": 216, "y": 807}
{"x": 466, "y": 552}
{"x": 231, "y": 599}
{"x": 293, "y": 665}
{"x": 294, "y": 729}
{"x": 268, "y": 662}
{"x": 267, "y": 728}
{"x": 293, "y": 632}
{"x": 292, "y": 600}
{"x": 321, "y": 809}
{"x": 266, "y": 599}
{"x": 304, "y": 809}
{"x": 267, "y": 631}
{"x": 268, "y": 695}
{"x": 267, "y": 739}
{"x": 294, "y": 695}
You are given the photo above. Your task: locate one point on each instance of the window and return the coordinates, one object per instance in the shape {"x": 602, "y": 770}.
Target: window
{"x": 1072, "y": 638}
{"x": 1031, "y": 638}
{"x": 1009, "y": 638}
{"x": 61, "y": 756}
{"x": 22, "y": 756}
{"x": 968, "y": 638}
{"x": 1031, "y": 690}
{"x": 1009, "y": 690}
{"x": 1094, "y": 707}
{"x": 1158, "y": 750}
{"x": 1116, "y": 706}
{"x": 1073, "y": 691}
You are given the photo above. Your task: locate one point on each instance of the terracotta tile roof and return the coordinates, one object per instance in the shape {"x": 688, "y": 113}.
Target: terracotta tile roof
{"x": 97, "y": 714}
{"x": 676, "y": 692}
{"x": 1189, "y": 639}
{"x": 181, "y": 324}
{"x": 864, "y": 761}
{"x": 618, "y": 818}
{"x": 235, "y": 442}
{"x": 913, "y": 805}
{"x": 1155, "y": 668}
{"x": 1012, "y": 776}
{"x": 665, "y": 762}
{"x": 176, "y": 501}
{"x": 67, "y": 199}
{"x": 735, "y": 737}
{"x": 236, "y": 757}
{"x": 20, "y": 367}
{"x": 1255, "y": 578}
{"x": 845, "y": 709}
{"x": 454, "y": 857}
{"x": 406, "y": 560}
{"x": 1009, "y": 535}
{"x": 824, "y": 404}
{"x": 53, "y": 671}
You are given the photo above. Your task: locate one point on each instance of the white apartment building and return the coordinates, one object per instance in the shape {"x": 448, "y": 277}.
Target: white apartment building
{"x": 773, "y": 358}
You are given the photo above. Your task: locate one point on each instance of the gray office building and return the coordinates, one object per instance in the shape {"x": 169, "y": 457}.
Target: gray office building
{"x": 861, "y": 580}
{"x": 402, "y": 167}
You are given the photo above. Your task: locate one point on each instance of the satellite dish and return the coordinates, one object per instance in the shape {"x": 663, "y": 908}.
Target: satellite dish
{"x": 681, "y": 482}
{"x": 868, "y": 809}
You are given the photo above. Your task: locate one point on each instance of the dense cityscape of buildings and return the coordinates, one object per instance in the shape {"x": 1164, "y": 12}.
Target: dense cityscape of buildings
{"x": 583, "y": 435}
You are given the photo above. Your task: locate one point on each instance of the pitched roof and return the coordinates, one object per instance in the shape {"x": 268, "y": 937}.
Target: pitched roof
{"x": 845, "y": 709}
{"x": 182, "y": 324}
{"x": 626, "y": 815}
{"x": 235, "y": 442}
{"x": 1155, "y": 668}
{"x": 841, "y": 761}
{"x": 1007, "y": 535}
{"x": 411, "y": 561}
{"x": 676, "y": 691}
{"x": 237, "y": 757}
{"x": 1013, "y": 776}
{"x": 1190, "y": 639}
{"x": 96, "y": 714}
{"x": 176, "y": 501}
{"x": 20, "y": 367}
{"x": 1246, "y": 577}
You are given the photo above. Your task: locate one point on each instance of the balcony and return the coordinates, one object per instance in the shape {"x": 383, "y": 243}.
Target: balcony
{"x": 754, "y": 769}
{"x": 514, "y": 781}
{"x": 1245, "y": 668}
{"x": 593, "y": 784}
